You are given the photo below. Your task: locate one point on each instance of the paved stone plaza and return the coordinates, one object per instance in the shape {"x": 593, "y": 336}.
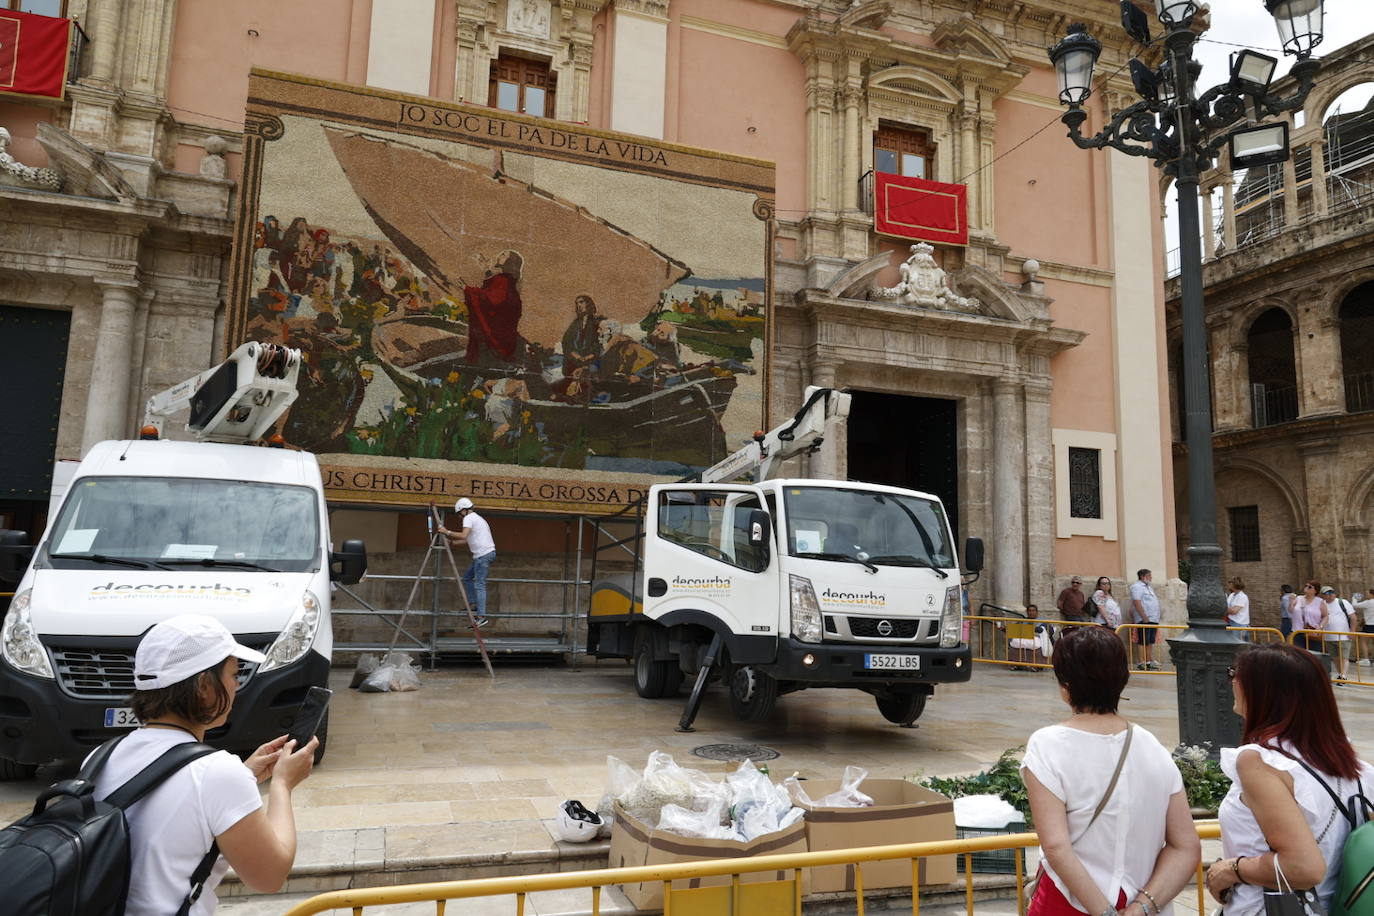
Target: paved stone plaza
{"x": 455, "y": 780}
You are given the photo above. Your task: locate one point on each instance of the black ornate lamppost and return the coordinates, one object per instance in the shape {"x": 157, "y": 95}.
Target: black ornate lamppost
{"x": 1183, "y": 131}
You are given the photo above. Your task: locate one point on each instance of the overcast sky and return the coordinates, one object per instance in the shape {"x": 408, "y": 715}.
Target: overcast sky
{"x": 1247, "y": 23}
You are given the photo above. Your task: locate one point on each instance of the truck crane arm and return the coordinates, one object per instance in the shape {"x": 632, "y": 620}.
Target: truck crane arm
{"x": 236, "y": 401}
{"x": 800, "y": 435}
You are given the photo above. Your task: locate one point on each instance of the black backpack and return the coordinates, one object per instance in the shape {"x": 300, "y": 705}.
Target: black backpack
{"x": 71, "y": 856}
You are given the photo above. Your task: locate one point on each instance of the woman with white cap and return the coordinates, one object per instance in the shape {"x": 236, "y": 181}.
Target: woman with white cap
{"x": 185, "y": 677}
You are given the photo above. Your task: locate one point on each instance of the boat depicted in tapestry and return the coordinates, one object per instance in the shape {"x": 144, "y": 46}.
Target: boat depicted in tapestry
{"x": 492, "y": 320}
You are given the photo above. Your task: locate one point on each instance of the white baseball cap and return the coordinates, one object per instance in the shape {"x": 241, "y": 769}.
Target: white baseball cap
{"x": 462, "y": 504}
{"x": 182, "y": 647}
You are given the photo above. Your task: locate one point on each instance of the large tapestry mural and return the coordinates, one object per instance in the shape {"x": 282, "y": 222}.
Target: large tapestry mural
{"x": 515, "y": 309}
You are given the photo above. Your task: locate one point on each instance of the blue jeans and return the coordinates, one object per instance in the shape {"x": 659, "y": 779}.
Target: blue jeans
{"x": 1286, "y": 626}
{"x": 475, "y": 582}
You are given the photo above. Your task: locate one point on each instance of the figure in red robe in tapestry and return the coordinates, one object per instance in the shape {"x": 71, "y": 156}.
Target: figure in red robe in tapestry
{"x": 494, "y": 313}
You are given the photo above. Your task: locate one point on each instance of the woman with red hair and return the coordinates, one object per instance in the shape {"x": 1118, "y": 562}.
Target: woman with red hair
{"x": 1281, "y": 816}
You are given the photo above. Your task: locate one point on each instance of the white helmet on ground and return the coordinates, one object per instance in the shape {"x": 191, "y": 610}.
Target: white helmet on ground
{"x": 575, "y": 823}
{"x": 462, "y": 504}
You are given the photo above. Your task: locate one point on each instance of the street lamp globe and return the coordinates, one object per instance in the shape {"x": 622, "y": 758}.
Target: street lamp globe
{"x": 1074, "y": 59}
{"x": 1299, "y": 23}
{"x": 1173, "y": 12}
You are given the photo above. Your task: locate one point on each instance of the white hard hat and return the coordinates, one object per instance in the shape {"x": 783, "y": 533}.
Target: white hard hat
{"x": 462, "y": 504}
{"x": 575, "y": 823}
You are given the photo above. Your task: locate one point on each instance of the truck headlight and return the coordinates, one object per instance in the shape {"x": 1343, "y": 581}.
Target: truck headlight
{"x": 297, "y": 636}
{"x": 952, "y": 619}
{"x": 18, "y": 642}
{"x": 806, "y": 610}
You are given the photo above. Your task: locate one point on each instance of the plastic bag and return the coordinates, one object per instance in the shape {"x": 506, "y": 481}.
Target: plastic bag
{"x": 758, "y": 807}
{"x": 985, "y": 811}
{"x": 395, "y": 674}
{"x": 704, "y": 824}
{"x": 665, "y": 783}
{"x": 848, "y": 795}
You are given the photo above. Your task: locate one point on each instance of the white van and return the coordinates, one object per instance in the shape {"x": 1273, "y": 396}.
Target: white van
{"x": 154, "y": 528}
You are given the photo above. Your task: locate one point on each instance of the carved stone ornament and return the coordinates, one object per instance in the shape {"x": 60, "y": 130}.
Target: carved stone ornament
{"x": 18, "y": 173}
{"x": 528, "y": 17}
{"x": 924, "y": 285}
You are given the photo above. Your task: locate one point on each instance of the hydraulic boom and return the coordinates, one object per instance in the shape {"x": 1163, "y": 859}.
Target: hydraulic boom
{"x": 236, "y": 401}
{"x": 800, "y": 435}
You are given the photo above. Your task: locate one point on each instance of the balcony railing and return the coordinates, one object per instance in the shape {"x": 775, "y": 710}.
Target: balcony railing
{"x": 1359, "y": 392}
{"x": 1273, "y": 405}
{"x": 77, "y": 51}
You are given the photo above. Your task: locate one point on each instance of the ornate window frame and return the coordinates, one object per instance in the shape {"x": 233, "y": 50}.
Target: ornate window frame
{"x": 1065, "y": 524}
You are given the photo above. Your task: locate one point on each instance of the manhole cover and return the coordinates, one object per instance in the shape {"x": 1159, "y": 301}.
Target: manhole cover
{"x": 735, "y": 752}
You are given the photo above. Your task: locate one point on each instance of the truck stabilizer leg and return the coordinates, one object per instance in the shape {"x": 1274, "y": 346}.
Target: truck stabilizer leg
{"x": 689, "y": 712}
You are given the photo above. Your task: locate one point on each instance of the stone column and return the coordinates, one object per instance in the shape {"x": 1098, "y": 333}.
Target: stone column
{"x": 825, "y": 463}
{"x": 968, "y": 165}
{"x": 1290, "y": 193}
{"x": 107, "y": 399}
{"x": 138, "y": 338}
{"x": 1209, "y": 236}
{"x": 1008, "y": 495}
{"x": 1325, "y": 501}
{"x": 1039, "y": 491}
{"x": 103, "y": 22}
{"x": 1319, "y": 202}
{"x": 1322, "y": 390}
{"x": 1228, "y": 211}
{"x": 849, "y": 197}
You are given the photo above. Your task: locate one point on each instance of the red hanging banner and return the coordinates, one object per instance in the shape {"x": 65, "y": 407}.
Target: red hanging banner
{"x": 925, "y": 211}
{"x": 33, "y": 54}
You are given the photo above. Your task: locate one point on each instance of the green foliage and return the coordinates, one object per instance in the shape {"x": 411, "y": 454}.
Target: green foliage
{"x": 1203, "y": 779}
{"x": 1003, "y": 779}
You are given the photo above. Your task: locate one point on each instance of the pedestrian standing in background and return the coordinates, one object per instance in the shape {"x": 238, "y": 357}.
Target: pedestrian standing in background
{"x": 1107, "y": 799}
{"x": 1237, "y": 605}
{"x": 1309, "y": 613}
{"x": 1337, "y": 635}
{"x": 1145, "y": 610}
{"x": 1286, "y": 598}
{"x": 1072, "y": 601}
{"x": 1108, "y": 611}
{"x": 1366, "y": 611}
{"x": 476, "y": 534}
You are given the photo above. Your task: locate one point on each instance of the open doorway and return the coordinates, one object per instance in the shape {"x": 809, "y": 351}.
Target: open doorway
{"x": 907, "y": 442}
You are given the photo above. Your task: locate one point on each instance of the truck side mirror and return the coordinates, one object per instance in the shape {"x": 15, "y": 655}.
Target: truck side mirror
{"x": 349, "y": 565}
{"x": 761, "y": 535}
{"x": 973, "y": 554}
{"x": 15, "y": 552}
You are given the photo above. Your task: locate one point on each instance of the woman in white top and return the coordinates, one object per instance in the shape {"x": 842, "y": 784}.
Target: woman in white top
{"x": 1277, "y": 817}
{"x": 186, "y": 670}
{"x": 1126, "y": 847}
{"x": 1108, "y": 611}
{"x": 1309, "y": 613}
{"x": 1237, "y": 604}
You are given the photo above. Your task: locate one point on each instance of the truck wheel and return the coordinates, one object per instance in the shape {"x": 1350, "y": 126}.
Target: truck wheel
{"x": 654, "y": 679}
{"x": 11, "y": 770}
{"x": 753, "y": 694}
{"x": 902, "y": 707}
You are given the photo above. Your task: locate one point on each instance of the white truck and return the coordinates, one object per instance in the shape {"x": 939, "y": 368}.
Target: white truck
{"x": 784, "y": 584}
{"x": 150, "y": 528}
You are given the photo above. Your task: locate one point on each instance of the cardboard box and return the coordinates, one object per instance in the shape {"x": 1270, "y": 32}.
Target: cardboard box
{"x": 902, "y": 812}
{"x": 635, "y": 843}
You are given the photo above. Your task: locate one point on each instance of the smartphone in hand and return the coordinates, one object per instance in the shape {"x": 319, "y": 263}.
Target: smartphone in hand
{"x": 310, "y": 715}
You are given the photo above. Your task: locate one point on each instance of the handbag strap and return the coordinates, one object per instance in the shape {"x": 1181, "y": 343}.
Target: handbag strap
{"x": 1349, "y": 812}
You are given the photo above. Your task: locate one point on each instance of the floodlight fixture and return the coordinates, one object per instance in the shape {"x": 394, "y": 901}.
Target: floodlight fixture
{"x": 1264, "y": 144}
{"x": 1252, "y": 70}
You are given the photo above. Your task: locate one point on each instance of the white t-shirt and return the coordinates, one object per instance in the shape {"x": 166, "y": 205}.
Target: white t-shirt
{"x": 479, "y": 535}
{"x": 1241, "y": 834}
{"x": 171, "y": 828}
{"x": 1337, "y": 621}
{"x": 1366, "y": 607}
{"x": 1238, "y": 609}
{"x": 1120, "y": 848}
{"x": 1107, "y": 608}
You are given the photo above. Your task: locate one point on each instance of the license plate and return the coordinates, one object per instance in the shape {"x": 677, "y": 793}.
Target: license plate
{"x": 121, "y": 717}
{"x": 882, "y": 662}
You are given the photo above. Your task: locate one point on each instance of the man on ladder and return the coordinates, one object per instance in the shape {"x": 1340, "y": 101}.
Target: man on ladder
{"x": 476, "y": 533}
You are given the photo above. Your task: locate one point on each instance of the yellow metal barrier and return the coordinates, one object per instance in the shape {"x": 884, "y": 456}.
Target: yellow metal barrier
{"x": 1359, "y": 645}
{"x": 771, "y": 898}
{"x": 990, "y": 639}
